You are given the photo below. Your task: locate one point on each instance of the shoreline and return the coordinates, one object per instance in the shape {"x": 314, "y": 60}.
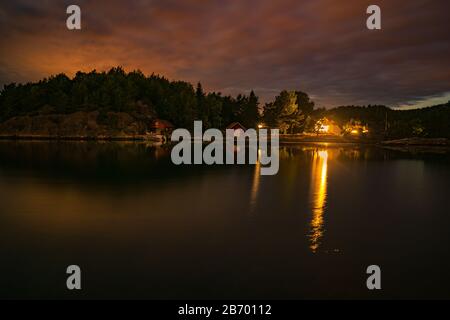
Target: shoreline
{"x": 77, "y": 138}
{"x": 284, "y": 139}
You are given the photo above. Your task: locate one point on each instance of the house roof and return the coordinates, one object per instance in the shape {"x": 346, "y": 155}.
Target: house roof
{"x": 162, "y": 124}
{"x": 235, "y": 126}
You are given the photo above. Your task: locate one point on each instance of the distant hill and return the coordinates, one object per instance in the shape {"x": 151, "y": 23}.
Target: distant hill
{"x": 120, "y": 104}
{"x": 431, "y": 122}
{"x": 112, "y": 96}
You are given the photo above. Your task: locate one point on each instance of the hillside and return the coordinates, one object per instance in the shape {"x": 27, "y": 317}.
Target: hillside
{"x": 77, "y": 125}
{"x": 117, "y": 104}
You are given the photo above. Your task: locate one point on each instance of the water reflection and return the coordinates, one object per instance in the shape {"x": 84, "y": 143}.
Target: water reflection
{"x": 168, "y": 231}
{"x": 318, "y": 197}
{"x": 255, "y": 184}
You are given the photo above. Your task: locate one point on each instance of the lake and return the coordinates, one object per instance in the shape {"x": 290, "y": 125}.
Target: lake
{"x": 141, "y": 227}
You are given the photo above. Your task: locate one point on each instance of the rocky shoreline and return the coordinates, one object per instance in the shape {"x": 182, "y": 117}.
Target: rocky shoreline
{"x": 407, "y": 142}
{"x": 439, "y": 142}
{"x": 121, "y": 126}
{"x": 81, "y": 125}
{"x": 79, "y": 138}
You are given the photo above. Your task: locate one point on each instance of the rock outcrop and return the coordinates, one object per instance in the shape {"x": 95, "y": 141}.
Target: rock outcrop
{"x": 78, "y": 125}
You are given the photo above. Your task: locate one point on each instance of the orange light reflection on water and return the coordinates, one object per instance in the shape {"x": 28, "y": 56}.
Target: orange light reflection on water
{"x": 319, "y": 197}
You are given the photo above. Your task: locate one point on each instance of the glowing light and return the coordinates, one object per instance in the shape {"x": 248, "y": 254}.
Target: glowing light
{"x": 319, "y": 196}
{"x": 354, "y": 131}
{"x": 323, "y": 154}
{"x": 255, "y": 184}
{"x": 324, "y": 128}
{"x": 260, "y": 126}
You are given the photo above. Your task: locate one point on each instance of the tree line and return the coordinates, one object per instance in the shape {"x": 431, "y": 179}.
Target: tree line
{"x": 181, "y": 103}
{"x": 386, "y": 123}
{"x": 118, "y": 91}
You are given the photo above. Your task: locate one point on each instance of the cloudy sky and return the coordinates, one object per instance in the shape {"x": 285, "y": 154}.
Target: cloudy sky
{"x": 321, "y": 47}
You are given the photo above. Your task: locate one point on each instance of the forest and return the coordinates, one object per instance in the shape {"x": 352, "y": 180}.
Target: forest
{"x": 181, "y": 103}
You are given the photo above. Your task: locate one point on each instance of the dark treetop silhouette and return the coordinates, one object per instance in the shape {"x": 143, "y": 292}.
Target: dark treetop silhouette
{"x": 117, "y": 100}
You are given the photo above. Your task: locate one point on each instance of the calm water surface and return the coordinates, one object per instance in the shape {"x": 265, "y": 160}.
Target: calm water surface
{"x": 140, "y": 227}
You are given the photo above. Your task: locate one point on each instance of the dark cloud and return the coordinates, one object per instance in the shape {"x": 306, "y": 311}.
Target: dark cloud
{"x": 318, "y": 46}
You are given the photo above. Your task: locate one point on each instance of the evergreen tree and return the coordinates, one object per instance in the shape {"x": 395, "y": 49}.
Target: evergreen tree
{"x": 250, "y": 114}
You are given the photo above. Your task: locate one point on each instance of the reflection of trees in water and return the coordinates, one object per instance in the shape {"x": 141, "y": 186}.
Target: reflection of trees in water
{"x": 352, "y": 152}
{"x": 110, "y": 162}
{"x": 72, "y": 153}
{"x": 134, "y": 163}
